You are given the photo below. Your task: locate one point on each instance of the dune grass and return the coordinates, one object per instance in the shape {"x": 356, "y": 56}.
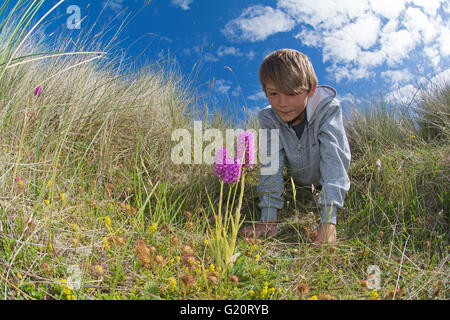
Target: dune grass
{"x": 92, "y": 207}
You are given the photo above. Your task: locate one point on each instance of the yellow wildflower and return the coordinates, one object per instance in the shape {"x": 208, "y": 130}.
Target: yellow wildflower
{"x": 265, "y": 290}
{"x": 251, "y": 292}
{"x": 212, "y": 268}
{"x": 313, "y": 298}
{"x": 105, "y": 243}
{"x": 49, "y": 184}
{"x": 152, "y": 228}
{"x": 256, "y": 257}
{"x": 374, "y": 295}
{"x": 67, "y": 291}
{"x": 67, "y": 288}
{"x": 172, "y": 284}
{"x": 63, "y": 197}
{"x": 326, "y": 271}
{"x": 47, "y": 202}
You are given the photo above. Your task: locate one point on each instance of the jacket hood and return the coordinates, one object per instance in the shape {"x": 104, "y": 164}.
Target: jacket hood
{"x": 322, "y": 96}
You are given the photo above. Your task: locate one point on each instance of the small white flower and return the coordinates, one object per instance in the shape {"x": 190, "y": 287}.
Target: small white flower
{"x": 378, "y": 163}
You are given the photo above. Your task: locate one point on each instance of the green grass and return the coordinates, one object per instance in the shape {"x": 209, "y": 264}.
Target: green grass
{"x": 86, "y": 180}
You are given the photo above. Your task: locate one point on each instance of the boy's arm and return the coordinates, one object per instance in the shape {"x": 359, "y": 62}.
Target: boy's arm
{"x": 271, "y": 184}
{"x": 334, "y": 163}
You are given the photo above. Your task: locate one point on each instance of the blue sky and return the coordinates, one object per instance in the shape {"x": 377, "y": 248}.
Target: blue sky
{"x": 363, "y": 48}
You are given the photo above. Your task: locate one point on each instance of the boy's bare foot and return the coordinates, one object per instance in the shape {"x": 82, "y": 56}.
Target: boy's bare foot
{"x": 258, "y": 230}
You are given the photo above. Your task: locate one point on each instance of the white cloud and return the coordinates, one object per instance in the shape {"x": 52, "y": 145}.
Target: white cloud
{"x": 201, "y": 53}
{"x": 114, "y": 5}
{"x": 346, "y": 44}
{"x": 429, "y": 6}
{"x": 432, "y": 54}
{"x": 236, "y": 92}
{"x": 403, "y": 95}
{"x": 440, "y": 79}
{"x": 310, "y": 38}
{"x": 347, "y": 98}
{"x": 398, "y": 76}
{"x": 257, "y": 23}
{"x": 411, "y": 93}
{"x": 228, "y": 51}
{"x": 389, "y": 9}
{"x": 251, "y": 55}
{"x": 444, "y": 41}
{"x": 235, "y": 52}
{"x": 390, "y": 26}
{"x": 371, "y": 59}
{"x": 258, "y": 96}
{"x": 447, "y": 8}
{"x": 420, "y": 25}
{"x": 342, "y": 73}
{"x": 397, "y": 45}
{"x": 183, "y": 4}
{"x": 209, "y": 57}
{"x": 325, "y": 14}
{"x": 357, "y": 36}
{"x": 222, "y": 86}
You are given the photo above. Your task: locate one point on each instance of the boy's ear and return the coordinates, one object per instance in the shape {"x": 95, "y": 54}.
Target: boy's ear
{"x": 311, "y": 93}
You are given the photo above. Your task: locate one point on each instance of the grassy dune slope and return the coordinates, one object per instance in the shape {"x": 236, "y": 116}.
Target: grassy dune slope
{"x": 92, "y": 207}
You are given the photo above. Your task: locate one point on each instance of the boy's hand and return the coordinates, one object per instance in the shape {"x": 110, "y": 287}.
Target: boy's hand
{"x": 326, "y": 234}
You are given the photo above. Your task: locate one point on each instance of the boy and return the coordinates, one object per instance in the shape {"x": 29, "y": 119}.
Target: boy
{"x": 312, "y": 141}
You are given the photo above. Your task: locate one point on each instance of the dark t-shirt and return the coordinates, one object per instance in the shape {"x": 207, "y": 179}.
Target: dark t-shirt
{"x": 300, "y": 127}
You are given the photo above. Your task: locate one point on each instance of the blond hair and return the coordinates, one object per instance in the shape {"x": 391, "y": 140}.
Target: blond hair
{"x": 290, "y": 71}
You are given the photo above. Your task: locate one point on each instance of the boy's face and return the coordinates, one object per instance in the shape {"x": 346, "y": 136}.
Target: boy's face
{"x": 288, "y": 107}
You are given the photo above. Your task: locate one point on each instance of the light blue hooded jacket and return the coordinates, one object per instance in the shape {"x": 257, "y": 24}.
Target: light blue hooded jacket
{"x": 320, "y": 157}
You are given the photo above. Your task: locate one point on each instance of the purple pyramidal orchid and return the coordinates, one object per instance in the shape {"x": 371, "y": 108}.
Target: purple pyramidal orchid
{"x": 37, "y": 91}
{"x": 246, "y": 149}
{"x": 225, "y": 169}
